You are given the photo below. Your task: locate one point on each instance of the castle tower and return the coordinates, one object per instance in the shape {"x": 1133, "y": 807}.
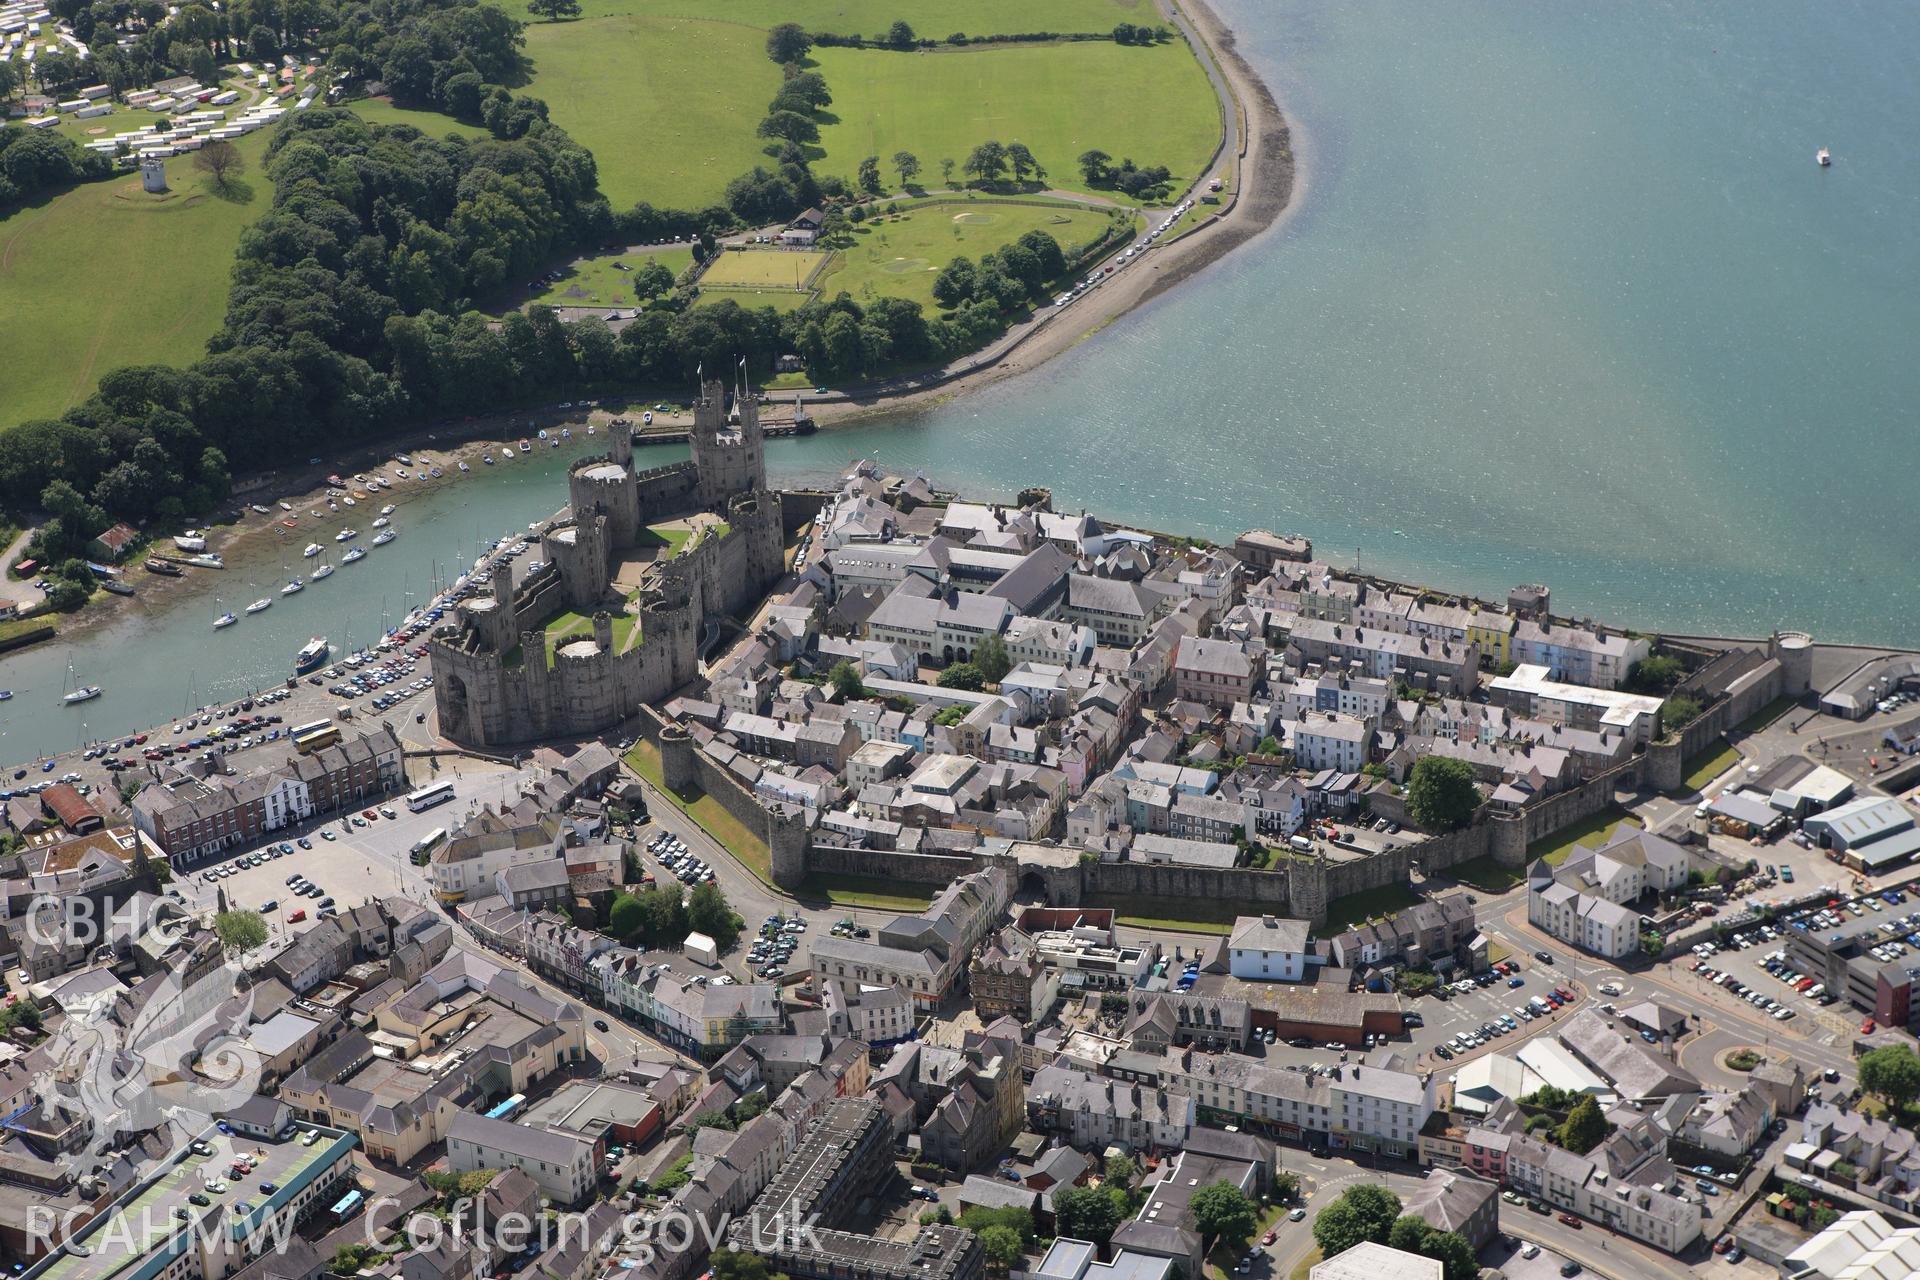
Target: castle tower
{"x": 533, "y": 664}
{"x": 788, "y": 843}
{"x": 606, "y": 486}
{"x": 603, "y": 631}
{"x": 153, "y": 175}
{"x": 1307, "y": 889}
{"x": 670, "y": 625}
{"x": 676, "y": 759}
{"x": 1794, "y": 651}
{"x": 757, "y": 517}
{"x": 501, "y": 584}
{"x": 729, "y": 451}
{"x": 620, "y": 445}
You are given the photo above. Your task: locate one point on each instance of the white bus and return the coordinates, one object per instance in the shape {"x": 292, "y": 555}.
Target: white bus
{"x": 423, "y": 848}
{"x": 427, "y": 797}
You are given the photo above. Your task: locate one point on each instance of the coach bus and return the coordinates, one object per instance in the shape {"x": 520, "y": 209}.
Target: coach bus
{"x": 311, "y": 737}
{"x": 427, "y": 797}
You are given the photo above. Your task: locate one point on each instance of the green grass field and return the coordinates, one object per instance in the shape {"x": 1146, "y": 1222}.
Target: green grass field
{"x": 1485, "y": 874}
{"x": 578, "y": 626}
{"x": 873, "y": 892}
{"x": 762, "y": 268}
{"x": 900, "y": 256}
{"x": 1152, "y": 104}
{"x": 434, "y": 124}
{"x": 713, "y": 817}
{"x": 667, "y": 105}
{"x": 103, "y": 275}
{"x": 1590, "y": 834}
{"x": 935, "y": 19}
{"x": 1189, "y": 914}
{"x": 1707, "y": 764}
{"x": 597, "y": 282}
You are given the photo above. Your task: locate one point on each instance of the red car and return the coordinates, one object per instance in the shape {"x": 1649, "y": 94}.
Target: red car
{"x": 295, "y": 917}
{"x": 1723, "y": 1244}
{"x": 369, "y": 814}
{"x": 1571, "y": 1221}
{"x": 1866, "y": 1028}
{"x": 1270, "y": 1237}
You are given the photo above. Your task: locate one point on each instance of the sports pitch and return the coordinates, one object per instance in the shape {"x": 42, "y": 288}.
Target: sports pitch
{"x": 763, "y": 268}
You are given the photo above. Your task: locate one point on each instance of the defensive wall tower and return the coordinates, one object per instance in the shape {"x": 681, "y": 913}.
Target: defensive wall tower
{"x": 677, "y": 768}
{"x": 578, "y": 551}
{"x": 669, "y": 625}
{"x": 1307, "y": 888}
{"x": 729, "y": 450}
{"x": 1793, "y": 650}
{"x": 787, "y": 845}
{"x": 608, "y": 487}
{"x": 491, "y": 616}
{"x": 755, "y": 516}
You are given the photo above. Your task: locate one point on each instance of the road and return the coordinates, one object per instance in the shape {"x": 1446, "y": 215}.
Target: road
{"x": 371, "y": 861}
{"x": 1504, "y": 919}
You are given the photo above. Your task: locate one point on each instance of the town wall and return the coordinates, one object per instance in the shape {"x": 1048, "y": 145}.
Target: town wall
{"x": 709, "y": 777}
{"x": 907, "y": 868}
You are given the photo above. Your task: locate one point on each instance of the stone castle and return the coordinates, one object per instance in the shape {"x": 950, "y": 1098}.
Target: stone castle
{"x": 494, "y": 681}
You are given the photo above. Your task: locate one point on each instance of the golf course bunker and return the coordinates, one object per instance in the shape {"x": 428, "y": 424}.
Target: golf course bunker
{"x": 976, "y": 218}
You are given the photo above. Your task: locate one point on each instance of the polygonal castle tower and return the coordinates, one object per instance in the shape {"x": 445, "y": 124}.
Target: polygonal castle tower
{"x": 729, "y": 448}
{"x": 496, "y": 681}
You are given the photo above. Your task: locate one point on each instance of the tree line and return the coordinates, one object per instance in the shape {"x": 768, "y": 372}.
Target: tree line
{"x": 352, "y": 305}
{"x": 36, "y": 160}
{"x": 901, "y": 37}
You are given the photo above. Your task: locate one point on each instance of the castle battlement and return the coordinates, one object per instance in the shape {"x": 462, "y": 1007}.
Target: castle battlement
{"x": 494, "y": 680}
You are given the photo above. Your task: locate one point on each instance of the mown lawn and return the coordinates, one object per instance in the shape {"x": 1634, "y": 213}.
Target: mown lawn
{"x": 935, "y": 19}
{"x": 1485, "y": 874}
{"x": 1164, "y": 913}
{"x": 762, "y": 268}
{"x": 713, "y": 817}
{"x": 1369, "y": 904}
{"x": 432, "y": 123}
{"x": 1707, "y": 764}
{"x": 873, "y": 892}
{"x": 1765, "y": 715}
{"x": 1153, "y": 104}
{"x": 668, "y": 106}
{"x": 579, "y": 626}
{"x": 899, "y": 256}
{"x": 1592, "y": 833}
{"x": 599, "y": 281}
{"x": 103, "y": 275}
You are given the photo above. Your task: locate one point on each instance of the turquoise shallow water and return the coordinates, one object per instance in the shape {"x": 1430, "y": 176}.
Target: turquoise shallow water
{"x": 1564, "y": 299}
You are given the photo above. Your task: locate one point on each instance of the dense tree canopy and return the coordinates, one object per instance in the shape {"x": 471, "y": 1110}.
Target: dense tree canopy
{"x": 1086, "y": 1213}
{"x": 1365, "y": 1212}
{"x": 1891, "y": 1073}
{"x": 1441, "y": 795}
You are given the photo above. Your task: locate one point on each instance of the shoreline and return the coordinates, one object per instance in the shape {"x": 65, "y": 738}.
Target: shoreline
{"x": 1269, "y": 177}
{"x": 304, "y": 488}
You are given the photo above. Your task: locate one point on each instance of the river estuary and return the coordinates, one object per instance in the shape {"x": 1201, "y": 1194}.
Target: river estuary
{"x": 1564, "y": 299}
